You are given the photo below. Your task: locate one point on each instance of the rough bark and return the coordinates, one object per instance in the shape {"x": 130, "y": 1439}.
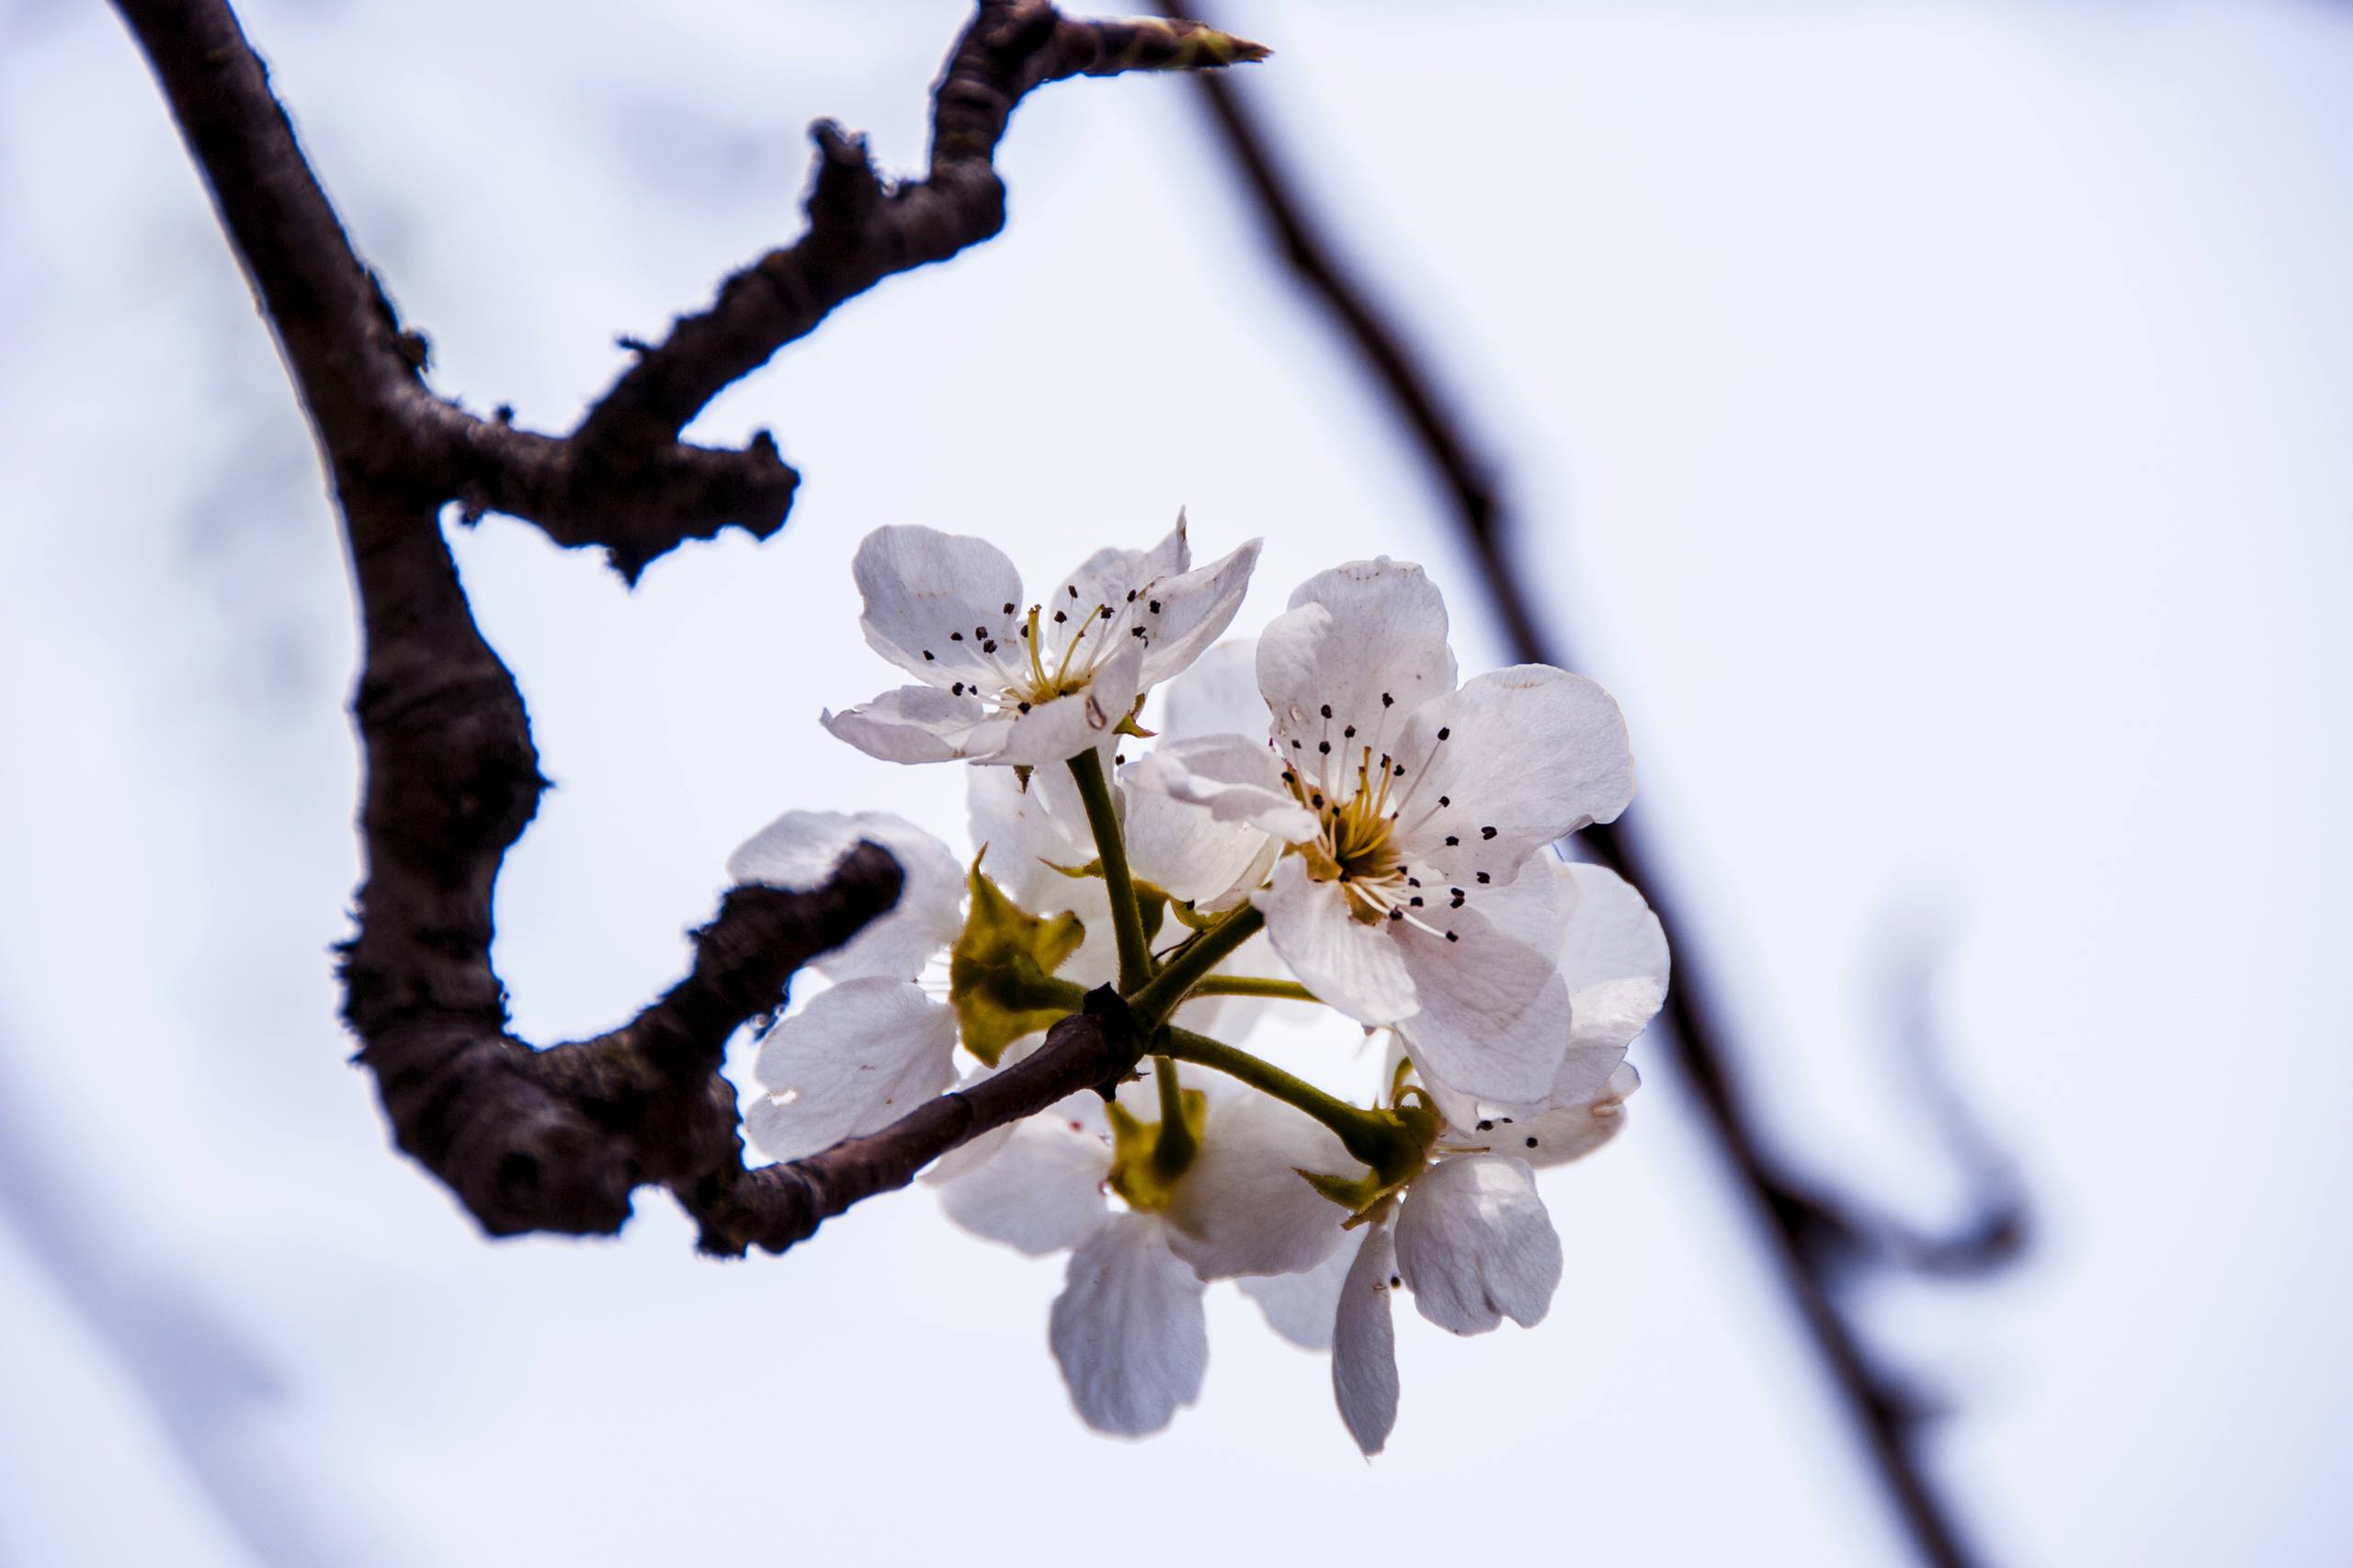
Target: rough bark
{"x": 560, "y": 1140}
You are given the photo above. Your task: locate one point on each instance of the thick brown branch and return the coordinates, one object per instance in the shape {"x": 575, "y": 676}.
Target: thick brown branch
{"x": 860, "y": 232}
{"x": 775, "y": 1206}
{"x": 560, "y": 1140}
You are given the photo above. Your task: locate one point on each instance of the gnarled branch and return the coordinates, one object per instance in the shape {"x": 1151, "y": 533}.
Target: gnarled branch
{"x": 559, "y": 1139}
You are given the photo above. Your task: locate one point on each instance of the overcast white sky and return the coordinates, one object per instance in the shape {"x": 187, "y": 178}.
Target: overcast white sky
{"x": 1930, "y": 419}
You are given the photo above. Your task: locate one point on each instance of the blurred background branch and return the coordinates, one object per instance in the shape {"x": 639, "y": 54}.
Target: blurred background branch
{"x": 1822, "y": 1243}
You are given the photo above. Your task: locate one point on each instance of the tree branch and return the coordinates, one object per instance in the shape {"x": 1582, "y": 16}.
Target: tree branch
{"x": 624, "y": 480}
{"x": 777, "y": 1205}
{"x": 860, "y": 231}
{"x": 1798, "y": 1222}
{"x": 559, "y": 1139}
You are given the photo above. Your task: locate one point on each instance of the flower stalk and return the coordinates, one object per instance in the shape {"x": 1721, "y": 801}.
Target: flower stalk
{"x": 1127, "y": 915}
{"x": 1254, "y": 985}
{"x": 1190, "y": 965}
{"x": 1379, "y": 1138}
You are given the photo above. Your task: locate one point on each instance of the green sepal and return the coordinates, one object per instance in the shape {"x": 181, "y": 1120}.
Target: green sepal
{"x": 1146, "y": 1166}
{"x": 997, "y": 969}
{"x": 1357, "y": 1194}
{"x": 1151, "y": 903}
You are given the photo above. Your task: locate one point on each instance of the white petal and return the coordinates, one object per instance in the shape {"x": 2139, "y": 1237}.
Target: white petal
{"x": 1475, "y": 1245}
{"x": 854, "y": 1060}
{"x": 920, "y": 723}
{"x": 1494, "y": 1016}
{"x": 1570, "y": 1131}
{"x": 1129, "y": 1329}
{"x": 1353, "y": 636}
{"x": 798, "y": 851}
{"x": 1041, "y": 1192}
{"x": 1528, "y": 754}
{"x": 1105, "y": 579}
{"x": 1233, "y": 777}
{"x": 1194, "y": 611}
{"x": 1051, "y": 733}
{"x": 1025, "y": 837}
{"x": 1301, "y": 1306}
{"x": 927, "y": 591}
{"x": 1185, "y": 851}
{"x": 1218, "y": 696}
{"x": 1243, "y": 1207}
{"x": 1364, "y": 1343}
{"x": 1613, "y": 954}
{"x": 1354, "y": 967}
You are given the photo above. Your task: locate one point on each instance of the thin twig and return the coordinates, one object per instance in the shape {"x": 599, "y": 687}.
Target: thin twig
{"x": 1886, "y": 1419}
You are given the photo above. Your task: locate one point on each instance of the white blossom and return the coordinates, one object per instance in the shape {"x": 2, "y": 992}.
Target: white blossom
{"x": 1008, "y": 679}
{"x": 1416, "y": 894}
{"x": 1469, "y": 1238}
{"x": 1128, "y": 1329}
{"x": 1613, "y": 960}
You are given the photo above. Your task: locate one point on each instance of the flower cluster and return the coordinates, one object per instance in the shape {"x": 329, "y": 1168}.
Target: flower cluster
{"x": 1327, "y": 817}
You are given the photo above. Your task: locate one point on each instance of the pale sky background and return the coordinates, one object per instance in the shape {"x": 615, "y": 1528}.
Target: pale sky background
{"x": 1930, "y": 419}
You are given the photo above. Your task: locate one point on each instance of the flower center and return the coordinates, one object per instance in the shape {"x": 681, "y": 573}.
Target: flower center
{"x": 1059, "y": 650}
{"x": 1356, "y": 846}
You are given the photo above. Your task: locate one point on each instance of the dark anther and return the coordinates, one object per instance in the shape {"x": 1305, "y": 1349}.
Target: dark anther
{"x": 1453, "y": 937}
{"x": 1008, "y": 609}
{"x": 1024, "y": 706}
{"x": 1060, "y": 616}
{"x": 1350, "y": 734}
{"x": 1531, "y": 1142}
{"x": 1328, "y": 711}
{"x": 955, "y": 637}
{"x": 1396, "y": 914}
{"x": 1071, "y": 588}
{"x": 1486, "y": 833}
{"x": 1446, "y": 800}
{"x": 990, "y": 647}
{"x": 926, "y": 655}
{"x": 1416, "y": 900}
{"x": 1386, "y": 699}
{"x": 1324, "y": 746}
{"x": 1451, "y": 841}
{"x": 980, "y": 631}
{"x": 1444, "y": 731}
{"x": 1483, "y": 877}
{"x": 1155, "y": 606}
{"x": 1486, "y": 1127}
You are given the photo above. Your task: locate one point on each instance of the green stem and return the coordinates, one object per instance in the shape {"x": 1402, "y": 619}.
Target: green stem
{"x": 1379, "y": 1140}
{"x": 1190, "y": 965}
{"x": 1174, "y": 1153}
{"x": 1254, "y": 985}
{"x": 1127, "y": 915}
